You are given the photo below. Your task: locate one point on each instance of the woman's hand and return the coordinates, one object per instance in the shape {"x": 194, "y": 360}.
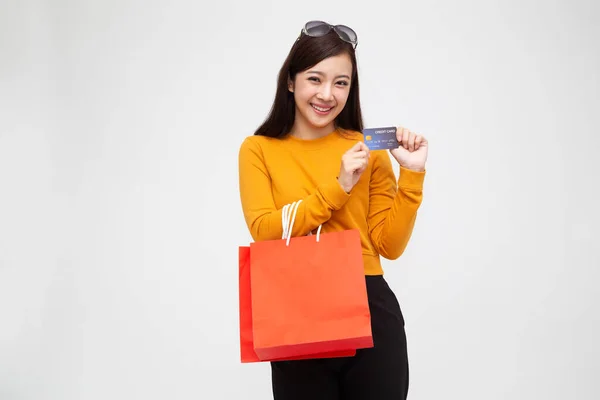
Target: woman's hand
{"x": 412, "y": 152}
{"x": 354, "y": 163}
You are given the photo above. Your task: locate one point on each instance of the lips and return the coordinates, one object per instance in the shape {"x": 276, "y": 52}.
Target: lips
{"x": 321, "y": 109}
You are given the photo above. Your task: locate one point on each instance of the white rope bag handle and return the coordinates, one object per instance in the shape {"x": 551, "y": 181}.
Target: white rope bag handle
{"x": 288, "y": 216}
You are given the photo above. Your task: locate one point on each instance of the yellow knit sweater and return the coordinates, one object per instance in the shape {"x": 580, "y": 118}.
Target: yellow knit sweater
{"x": 275, "y": 172}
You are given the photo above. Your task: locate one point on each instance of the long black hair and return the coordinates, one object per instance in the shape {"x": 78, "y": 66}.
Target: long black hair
{"x": 306, "y": 52}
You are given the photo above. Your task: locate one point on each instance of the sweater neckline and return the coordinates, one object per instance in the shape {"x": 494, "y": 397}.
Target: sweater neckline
{"x": 314, "y": 143}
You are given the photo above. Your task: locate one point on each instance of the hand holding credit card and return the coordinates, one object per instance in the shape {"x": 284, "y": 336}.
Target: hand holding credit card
{"x": 381, "y": 138}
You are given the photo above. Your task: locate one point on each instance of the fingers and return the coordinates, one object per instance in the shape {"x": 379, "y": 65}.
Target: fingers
{"x": 361, "y": 154}
{"x": 359, "y": 171}
{"x": 409, "y": 140}
{"x": 364, "y": 147}
{"x": 360, "y": 150}
{"x": 354, "y": 162}
{"x": 359, "y": 146}
{"x": 357, "y": 157}
{"x": 402, "y": 134}
{"x": 418, "y": 140}
{"x": 358, "y": 166}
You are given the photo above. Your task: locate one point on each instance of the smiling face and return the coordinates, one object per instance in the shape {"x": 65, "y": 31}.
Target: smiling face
{"x": 320, "y": 94}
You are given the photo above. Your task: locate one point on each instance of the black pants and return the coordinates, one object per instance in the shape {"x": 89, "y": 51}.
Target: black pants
{"x": 377, "y": 373}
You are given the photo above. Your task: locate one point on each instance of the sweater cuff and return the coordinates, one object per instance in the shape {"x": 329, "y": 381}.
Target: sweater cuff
{"x": 411, "y": 179}
{"x": 334, "y": 194}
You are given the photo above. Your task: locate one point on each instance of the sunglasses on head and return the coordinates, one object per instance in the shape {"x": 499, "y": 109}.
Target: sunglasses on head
{"x": 321, "y": 28}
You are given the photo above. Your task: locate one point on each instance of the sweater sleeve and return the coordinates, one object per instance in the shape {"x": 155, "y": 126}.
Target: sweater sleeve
{"x": 393, "y": 206}
{"x": 263, "y": 218}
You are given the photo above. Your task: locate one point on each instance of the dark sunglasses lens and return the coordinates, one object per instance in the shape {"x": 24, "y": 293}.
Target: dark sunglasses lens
{"x": 346, "y": 33}
{"x": 317, "y": 28}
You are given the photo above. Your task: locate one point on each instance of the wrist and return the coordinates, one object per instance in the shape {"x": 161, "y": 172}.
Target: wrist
{"x": 345, "y": 188}
{"x": 416, "y": 168}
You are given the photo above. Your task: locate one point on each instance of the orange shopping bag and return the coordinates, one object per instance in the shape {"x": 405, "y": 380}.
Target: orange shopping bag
{"x": 308, "y": 294}
{"x": 247, "y": 353}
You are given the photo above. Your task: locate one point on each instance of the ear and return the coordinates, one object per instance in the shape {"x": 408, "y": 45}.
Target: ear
{"x": 290, "y": 85}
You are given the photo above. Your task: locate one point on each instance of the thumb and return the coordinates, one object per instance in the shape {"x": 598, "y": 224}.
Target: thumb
{"x": 359, "y": 146}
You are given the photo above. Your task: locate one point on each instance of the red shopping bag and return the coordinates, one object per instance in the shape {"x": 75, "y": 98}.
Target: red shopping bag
{"x": 247, "y": 353}
{"x": 309, "y": 296}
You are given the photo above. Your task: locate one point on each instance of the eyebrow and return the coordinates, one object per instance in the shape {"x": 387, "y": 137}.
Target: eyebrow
{"x": 322, "y": 74}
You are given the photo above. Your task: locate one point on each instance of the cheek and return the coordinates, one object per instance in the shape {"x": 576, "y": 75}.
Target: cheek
{"x": 342, "y": 95}
{"x": 304, "y": 93}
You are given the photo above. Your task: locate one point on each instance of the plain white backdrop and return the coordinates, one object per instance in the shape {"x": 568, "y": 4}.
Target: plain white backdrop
{"x": 120, "y": 219}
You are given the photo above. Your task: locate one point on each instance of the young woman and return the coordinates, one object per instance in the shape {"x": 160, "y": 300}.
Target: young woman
{"x": 311, "y": 148}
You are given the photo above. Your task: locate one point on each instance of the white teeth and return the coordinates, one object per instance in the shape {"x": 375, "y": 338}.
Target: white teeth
{"x": 321, "y": 109}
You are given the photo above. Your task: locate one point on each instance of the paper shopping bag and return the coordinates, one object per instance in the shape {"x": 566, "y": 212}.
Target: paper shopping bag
{"x": 309, "y": 295}
{"x": 247, "y": 353}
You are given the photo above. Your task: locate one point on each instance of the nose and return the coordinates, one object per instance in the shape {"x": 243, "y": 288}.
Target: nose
{"x": 325, "y": 93}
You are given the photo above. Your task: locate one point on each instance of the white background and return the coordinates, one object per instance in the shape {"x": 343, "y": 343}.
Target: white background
{"x": 120, "y": 124}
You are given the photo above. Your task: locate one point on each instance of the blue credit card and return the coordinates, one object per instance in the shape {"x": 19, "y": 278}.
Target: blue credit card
{"x": 381, "y": 138}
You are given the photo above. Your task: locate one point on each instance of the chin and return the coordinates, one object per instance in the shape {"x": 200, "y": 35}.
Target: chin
{"x": 321, "y": 123}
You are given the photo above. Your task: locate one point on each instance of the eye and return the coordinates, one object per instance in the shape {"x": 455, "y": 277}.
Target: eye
{"x": 314, "y": 79}
{"x": 343, "y": 83}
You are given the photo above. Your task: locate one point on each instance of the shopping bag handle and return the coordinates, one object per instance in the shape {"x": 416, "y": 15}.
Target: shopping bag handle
{"x": 287, "y": 221}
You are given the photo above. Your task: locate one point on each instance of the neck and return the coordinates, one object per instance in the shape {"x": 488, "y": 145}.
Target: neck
{"x": 303, "y": 130}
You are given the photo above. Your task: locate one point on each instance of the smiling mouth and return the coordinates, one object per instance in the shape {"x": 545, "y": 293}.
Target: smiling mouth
{"x": 321, "y": 110}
